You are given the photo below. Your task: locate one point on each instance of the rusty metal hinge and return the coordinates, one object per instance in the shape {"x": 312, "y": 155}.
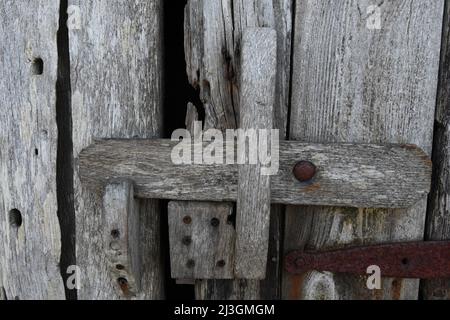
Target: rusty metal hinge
{"x": 415, "y": 260}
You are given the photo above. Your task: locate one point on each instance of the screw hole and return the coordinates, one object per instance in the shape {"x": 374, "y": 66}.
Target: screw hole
{"x": 215, "y": 222}
{"x": 120, "y": 267}
{"x": 221, "y": 263}
{"x": 15, "y": 218}
{"x": 37, "y": 67}
{"x": 190, "y": 264}
{"x": 115, "y": 234}
{"x": 187, "y": 240}
{"x": 405, "y": 261}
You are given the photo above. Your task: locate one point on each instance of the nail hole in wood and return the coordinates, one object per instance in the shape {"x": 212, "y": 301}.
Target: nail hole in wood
{"x": 36, "y": 152}
{"x": 187, "y": 240}
{"x": 405, "y": 261}
{"x": 115, "y": 234}
{"x": 221, "y": 263}
{"x": 215, "y": 222}
{"x": 190, "y": 264}
{"x": 37, "y": 67}
{"x": 15, "y": 218}
{"x": 123, "y": 284}
{"x": 120, "y": 267}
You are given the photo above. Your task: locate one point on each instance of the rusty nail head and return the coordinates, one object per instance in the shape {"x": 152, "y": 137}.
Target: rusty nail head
{"x": 187, "y": 220}
{"x": 187, "y": 240}
{"x": 304, "y": 171}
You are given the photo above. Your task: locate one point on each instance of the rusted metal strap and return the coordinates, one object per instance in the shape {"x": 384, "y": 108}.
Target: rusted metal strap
{"x": 415, "y": 260}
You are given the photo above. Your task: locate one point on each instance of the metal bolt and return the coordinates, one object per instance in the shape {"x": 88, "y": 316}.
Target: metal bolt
{"x": 215, "y": 222}
{"x": 187, "y": 220}
{"x": 187, "y": 240}
{"x": 190, "y": 264}
{"x": 304, "y": 171}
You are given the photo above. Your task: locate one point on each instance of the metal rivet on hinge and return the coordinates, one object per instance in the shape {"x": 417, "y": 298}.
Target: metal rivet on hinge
{"x": 304, "y": 171}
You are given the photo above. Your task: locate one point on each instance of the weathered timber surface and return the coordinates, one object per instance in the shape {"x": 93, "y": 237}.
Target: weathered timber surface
{"x": 258, "y": 75}
{"x": 357, "y": 84}
{"x": 438, "y": 219}
{"x": 202, "y": 240}
{"x": 213, "y": 33}
{"x": 30, "y": 239}
{"x": 116, "y": 73}
{"x": 121, "y": 236}
{"x": 356, "y": 175}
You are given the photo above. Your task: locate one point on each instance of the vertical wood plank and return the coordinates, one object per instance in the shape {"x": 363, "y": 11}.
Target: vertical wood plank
{"x": 116, "y": 73}
{"x": 356, "y": 83}
{"x": 258, "y": 72}
{"x": 213, "y": 32}
{"x": 30, "y": 239}
{"x": 121, "y": 233}
{"x": 438, "y": 219}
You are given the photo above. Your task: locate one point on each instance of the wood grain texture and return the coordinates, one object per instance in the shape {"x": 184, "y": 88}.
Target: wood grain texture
{"x": 438, "y": 219}
{"x": 356, "y": 84}
{"x": 121, "y": 234}
{"x": 30, "y": 237}
{"x": 258, "y": 72}
{"x": 213, "y": 32}
{"x": 356, "y": 175}
{"x": 201, "y": 232}
{"x": 116, "y": 73}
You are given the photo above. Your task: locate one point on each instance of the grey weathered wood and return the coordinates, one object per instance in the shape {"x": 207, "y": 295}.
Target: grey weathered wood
{"x": 116, "y": 74}
{"x": 356, "y": 175}
{"x": 121, "y": 233}
{"x": 211, "y": 246}
{"x": 438, "y": 219}
{"x": 213, "y": 32}
{"x": 29, "y": 252}
{"x": 258, "y": 75}
{"x": 356, "y": 84}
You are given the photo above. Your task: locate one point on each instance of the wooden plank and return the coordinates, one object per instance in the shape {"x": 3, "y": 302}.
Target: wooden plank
{"x": 213, "y": 31}
{"x": 356, "y": 175}
{"x": 116, "y": 73}
{"x": 30, "y": 234}
{"x": 257, "y": 94}
{"x": 201, "y": 240}
{"x": 355, "y": 83}
{"x": 121, "y": 231}
{"x": 438, "y": 218}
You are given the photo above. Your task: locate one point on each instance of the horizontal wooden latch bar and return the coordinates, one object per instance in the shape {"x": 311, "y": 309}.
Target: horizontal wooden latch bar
{"x": 351, "y": 175}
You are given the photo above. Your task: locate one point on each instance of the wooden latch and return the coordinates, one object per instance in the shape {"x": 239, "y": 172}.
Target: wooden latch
{"x": 351, "y": 175}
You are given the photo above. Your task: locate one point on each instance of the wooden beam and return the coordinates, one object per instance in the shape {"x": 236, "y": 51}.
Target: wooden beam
{"x": 355, "y": 175}
{"x": 259, "y": 53}
{"x": 357, "y": 81}
{"x": 116, "y": 75}
{"x": 213, "y": 67}
{"x": 121, "y": 231}
{"x": 30, "y": 236}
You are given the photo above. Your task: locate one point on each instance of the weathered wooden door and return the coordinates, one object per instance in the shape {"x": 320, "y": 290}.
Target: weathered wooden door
{"x": 75, "y": 71}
